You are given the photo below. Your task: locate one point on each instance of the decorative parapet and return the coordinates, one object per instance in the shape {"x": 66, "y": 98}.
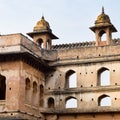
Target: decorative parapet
{"x": 74, "y": 45}
{"x": 81, "y": 44}
{"x": 116, "y": 41}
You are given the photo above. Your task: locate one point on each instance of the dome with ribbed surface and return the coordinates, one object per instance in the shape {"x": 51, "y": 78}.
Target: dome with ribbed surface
{"x": 102, "y": 18}
{"x": 42, "y": 25}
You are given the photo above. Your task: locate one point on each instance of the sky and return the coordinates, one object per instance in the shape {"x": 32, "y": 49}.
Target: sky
{"x": 69, "y": 19}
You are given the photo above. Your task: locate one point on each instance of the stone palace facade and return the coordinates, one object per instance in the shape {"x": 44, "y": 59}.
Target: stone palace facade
{"x": 41, "y": 81}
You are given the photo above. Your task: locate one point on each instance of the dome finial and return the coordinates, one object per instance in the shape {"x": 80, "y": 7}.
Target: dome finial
{"x": 42, "y": 17}
{"x": 102, "y": 10}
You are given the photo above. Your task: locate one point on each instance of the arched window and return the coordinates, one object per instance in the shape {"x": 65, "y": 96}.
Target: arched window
{"x": 51, "y": 103}
{"x": 71, "y": 102}
{"x": 102, "y": 35}
{"x": 2, "y": 87}
{"x": 104, "y": 100}
{"x": 103, "y": 77}
{"x": 71, "y": 81}
{"x": 35, "y": 99}
{"x": 27, "y": 90}
{"x": 41, "y": 99}
{"x": 40, "y": 42}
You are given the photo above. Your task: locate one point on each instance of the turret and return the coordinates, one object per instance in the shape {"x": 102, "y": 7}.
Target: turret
{"x": 42, "y": 34}
{"x": 103, "y": 26}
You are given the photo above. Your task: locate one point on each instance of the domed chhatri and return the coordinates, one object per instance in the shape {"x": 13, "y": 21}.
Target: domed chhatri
{"x": 42, "y": 34}
{"x": 102, "y": 26}
{"x": 102, "y": 18}
{"x": 42, "y": 25}
{"x": 103, "y": 21}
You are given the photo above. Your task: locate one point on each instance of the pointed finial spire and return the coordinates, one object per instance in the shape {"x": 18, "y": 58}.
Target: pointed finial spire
{"x": 42, "y": 17}
{"x": 102, "y": 10}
